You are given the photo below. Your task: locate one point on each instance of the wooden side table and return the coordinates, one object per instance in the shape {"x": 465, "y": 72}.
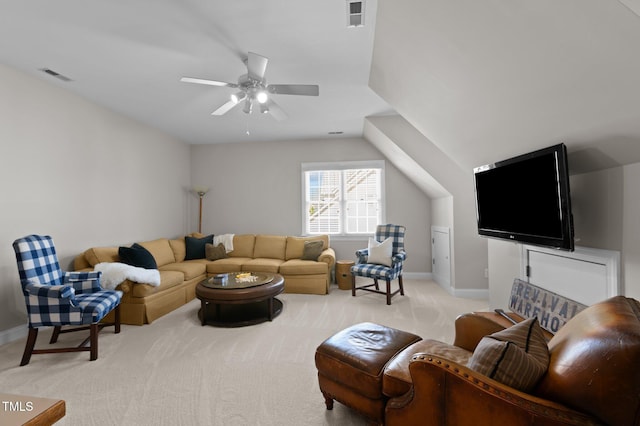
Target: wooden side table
{"x": 29, "y": 410}
{"x": 343, "y": 274}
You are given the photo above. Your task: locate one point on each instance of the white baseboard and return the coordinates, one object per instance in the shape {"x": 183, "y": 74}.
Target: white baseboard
{"x": 14, "y": 333}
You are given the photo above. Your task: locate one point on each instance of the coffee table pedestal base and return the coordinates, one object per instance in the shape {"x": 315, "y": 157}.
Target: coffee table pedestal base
{"x": 239, "y": 315}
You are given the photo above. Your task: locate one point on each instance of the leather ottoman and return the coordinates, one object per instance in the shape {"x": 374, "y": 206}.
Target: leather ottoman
{"x": 351, "y": 364}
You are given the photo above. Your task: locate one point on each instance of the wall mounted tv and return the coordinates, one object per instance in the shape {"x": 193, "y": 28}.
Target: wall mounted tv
{"x": 526, "y": 199}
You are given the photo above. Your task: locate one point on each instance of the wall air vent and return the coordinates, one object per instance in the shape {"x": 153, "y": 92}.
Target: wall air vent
{"x": 55, "y": 74}
{"x": 355, "y": 13}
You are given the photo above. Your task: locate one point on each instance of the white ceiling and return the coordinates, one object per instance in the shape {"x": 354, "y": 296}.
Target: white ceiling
{"x": 129, "y": 56}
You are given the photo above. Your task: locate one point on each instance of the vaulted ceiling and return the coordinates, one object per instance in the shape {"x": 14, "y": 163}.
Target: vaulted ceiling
{"x": 486, "y": 80}
{"x": 482, "y": 80}
{"x": 130, "y": 56}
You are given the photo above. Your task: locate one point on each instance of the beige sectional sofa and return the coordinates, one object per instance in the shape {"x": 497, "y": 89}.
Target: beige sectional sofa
{"x": 143, "y": 303}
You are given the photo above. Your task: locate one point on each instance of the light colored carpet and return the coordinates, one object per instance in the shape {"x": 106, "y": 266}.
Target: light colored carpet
{"x": 176, "y": 372}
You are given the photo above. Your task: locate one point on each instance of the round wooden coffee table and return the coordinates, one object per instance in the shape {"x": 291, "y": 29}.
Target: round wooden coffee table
{"x": 235, "y": 303}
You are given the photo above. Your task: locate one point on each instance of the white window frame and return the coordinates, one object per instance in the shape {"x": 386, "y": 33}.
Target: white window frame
{"x": 343, "y": 165}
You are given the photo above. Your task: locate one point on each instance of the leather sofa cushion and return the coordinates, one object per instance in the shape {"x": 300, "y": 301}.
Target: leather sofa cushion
{"x": 161, "y": 251}
{"x": 270, "y": 246}
{"x": 168, "y": 279}
{"x": 303, "y": 267}
{"x": 243, "y": 246}
{"x": 357, "y": 355}
{"x": 97, "y": 255}
{"x": 262, "y": 265}
{"x": 295, "y": 245}
{"x": 190, "y": 268}
{"x": 229, "y": 264}
{"x": 594, "y": 362}
{"x": 397, "y": 380}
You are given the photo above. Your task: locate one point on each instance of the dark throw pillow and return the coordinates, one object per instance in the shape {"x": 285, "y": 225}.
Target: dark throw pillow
{"x": 196, "y": 247}
{"x": 136, "y": 255}
{"x": 215, "y": 252}
{"x": 312, "y": 250}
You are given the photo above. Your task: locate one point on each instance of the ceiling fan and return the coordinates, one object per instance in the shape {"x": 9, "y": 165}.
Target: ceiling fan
{"x": 253, "y": 88}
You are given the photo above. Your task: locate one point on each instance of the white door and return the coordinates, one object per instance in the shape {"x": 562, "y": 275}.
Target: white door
{"x": 441, "y": 256}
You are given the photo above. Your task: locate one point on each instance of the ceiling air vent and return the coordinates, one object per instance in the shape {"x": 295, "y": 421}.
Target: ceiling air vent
{"x": 55, "y": 74}
{"x": 355, "y": 13}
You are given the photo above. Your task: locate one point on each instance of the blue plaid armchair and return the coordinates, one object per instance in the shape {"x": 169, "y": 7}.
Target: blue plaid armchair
{"x": 57, "y": 298}
{"x": 378, "y": 271}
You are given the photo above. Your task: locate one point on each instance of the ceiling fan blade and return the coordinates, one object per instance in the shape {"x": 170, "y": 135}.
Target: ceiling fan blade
{"x": 294, "y": 89}
{"x": 275, "y": 110}
{"x": 224, "y": 108}
{"x": 256, "y": 66}
{"x": 208, "y": 82}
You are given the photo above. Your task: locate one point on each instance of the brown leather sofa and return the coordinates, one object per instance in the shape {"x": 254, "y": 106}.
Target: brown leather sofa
{"x": 593, "y": 376}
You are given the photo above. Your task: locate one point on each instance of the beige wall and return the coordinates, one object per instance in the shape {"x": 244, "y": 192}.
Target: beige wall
{"x": 256, "y": 188}
{"x": 82, "y": 174}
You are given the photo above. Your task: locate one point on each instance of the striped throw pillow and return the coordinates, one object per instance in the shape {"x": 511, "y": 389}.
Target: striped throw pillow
{"x": 517, "y": 356}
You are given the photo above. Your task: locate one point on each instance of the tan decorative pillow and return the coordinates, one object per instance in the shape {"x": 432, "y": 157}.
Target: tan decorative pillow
{"x": 312, "y": 250}
{"x": 215, "y": 252}
{"x": 517, "y": 356}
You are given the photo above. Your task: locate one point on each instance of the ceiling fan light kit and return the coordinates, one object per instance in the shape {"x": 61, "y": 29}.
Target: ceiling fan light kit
{"x": 253, "y": 87}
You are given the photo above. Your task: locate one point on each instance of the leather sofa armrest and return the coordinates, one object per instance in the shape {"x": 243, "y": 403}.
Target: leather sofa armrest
{"x": 328, "y": 256}
{"x": 471, "y": 328}
{"x": 447, "y": 393}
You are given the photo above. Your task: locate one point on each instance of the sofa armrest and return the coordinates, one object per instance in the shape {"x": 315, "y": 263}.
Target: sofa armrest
{"x": 471, "y": 328}
{"x": 446, "y": 393}
{"x": 328, "y": 256}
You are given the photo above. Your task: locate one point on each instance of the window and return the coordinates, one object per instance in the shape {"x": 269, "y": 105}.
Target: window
{"x": 342, "y": 198}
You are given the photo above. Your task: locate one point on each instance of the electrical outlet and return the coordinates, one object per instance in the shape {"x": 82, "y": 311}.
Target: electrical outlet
{"x": 486, "y": 272}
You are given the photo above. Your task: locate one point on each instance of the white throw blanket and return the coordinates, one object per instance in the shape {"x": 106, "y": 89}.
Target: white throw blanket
{"x": 225, "y": 239}
{"x": 115, "y": 273}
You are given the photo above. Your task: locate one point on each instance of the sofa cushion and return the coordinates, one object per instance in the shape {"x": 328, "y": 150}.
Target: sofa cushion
{"x": 161, "y": 250}
{"x": 397, "y": 379}
{"x": 190, "y": 268}
{"x": 230, "y": 264}
{"x": 97, "y": 255}
{"x": 136, "y": 255}
{"x": 303, "y": 267}
{"x": 517, "y": 356}
{"x": 312, "y": 250}
{"x": 295, "y": 245}
{"x": 262, "y": 265}
{"x": 243, "y": 246}
{"x": 270, "y": 246}
{"x": 215, "y": 252}
{"x": 179, "y": 249}
{"x": 195, "y": 247}
{"x": 168, "y": 279}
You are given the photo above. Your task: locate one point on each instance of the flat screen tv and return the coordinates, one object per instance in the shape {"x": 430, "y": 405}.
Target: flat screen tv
{"x": 526, "y": 199}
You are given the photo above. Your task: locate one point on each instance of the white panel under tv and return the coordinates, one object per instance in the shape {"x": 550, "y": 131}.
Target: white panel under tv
{"x": 586, "y": 275}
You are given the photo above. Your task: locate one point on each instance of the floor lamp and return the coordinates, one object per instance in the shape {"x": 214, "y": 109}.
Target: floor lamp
{"x": 200, "y": 190}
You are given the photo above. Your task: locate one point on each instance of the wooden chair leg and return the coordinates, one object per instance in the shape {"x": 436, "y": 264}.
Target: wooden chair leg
{"x": 94, "y": 330}
{"x": 401, "y": 286}
{"x": 375, "y": 281}
{"x": 55, "y": 334}
{"x": 328, "y": 401}
{"x": 388, "y": 291}
{"x": 353, "y": 285}
{"x": 117, "y": 319}
{"x": 28, "y": 348}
